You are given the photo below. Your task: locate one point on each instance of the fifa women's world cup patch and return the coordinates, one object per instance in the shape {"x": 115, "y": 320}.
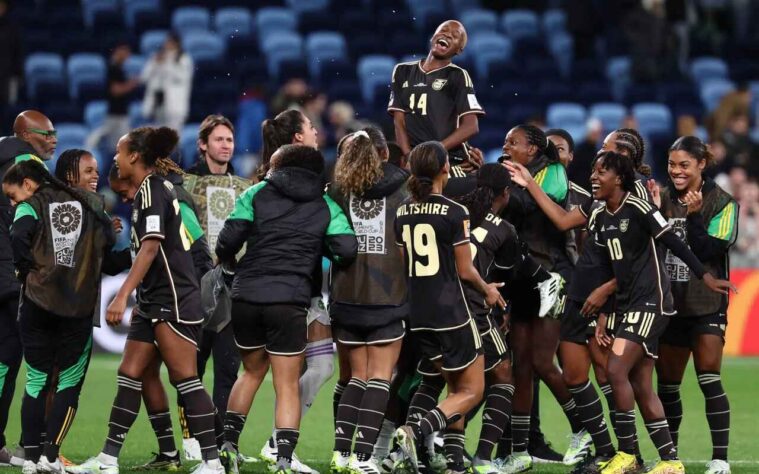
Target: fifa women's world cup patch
{"x": 369, "y": 221}
{"x": 66, "y": 220}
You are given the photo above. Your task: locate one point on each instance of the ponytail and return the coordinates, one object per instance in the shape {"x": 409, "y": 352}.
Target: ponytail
{"x": 277, "y": 132}
{"x": 152, "y": 143}
{"x": 358, "y": 166}
{"x": 427, "y": 160}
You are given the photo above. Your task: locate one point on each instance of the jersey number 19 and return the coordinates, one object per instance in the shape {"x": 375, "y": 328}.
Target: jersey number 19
{"x": 421, "y": 242}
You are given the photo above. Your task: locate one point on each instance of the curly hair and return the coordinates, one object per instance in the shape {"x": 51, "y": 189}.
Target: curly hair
{"x": 164, "y": 166}
{"x": 358, "y": 166}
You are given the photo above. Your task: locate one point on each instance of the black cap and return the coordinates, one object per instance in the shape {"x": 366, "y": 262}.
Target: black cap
{"x": 494, "y": 176}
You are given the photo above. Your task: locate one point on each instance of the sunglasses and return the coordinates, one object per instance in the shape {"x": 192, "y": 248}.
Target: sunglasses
{"x": 44, "y": 133}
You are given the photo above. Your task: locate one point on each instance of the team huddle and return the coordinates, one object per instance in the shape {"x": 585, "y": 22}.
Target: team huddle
{"x": 446, "y": 273}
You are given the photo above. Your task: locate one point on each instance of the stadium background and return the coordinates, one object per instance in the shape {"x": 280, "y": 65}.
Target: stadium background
{"x": 556, "y": 63}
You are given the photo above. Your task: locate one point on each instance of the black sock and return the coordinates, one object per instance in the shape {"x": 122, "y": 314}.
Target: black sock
{"x": 659, "y": 433}
{"x": 454, "y": 449}
{"x": 183, "y": 418}
{"x": 425, "y": 399}
{"x": 626, "y": 431}
{"x": 717, "y": 412}
{"x": 161, "y": 423}
{"x": 32, "y": 417}
{"x": 495, "y": 417}
{"x": 606, "y": 390}
{"x": 669, "y": 394}
{"x": 347, "y": 415}
{"x": 287, "y": 438}
{"x": 125, "y": 408}
{"x": 433, "y": 421}
{"x": 200, "y": 415}
{"x": 520, "y": 429}
{"x": 233, "y": 425}
{"x": 573, "y": 416}
{"x": 336, "y": 395}
{"x": 504, "y": 444}
{"x": 218, "y": 428}
{"x": 592, "y": 416}
{"x": 373, "y": 406}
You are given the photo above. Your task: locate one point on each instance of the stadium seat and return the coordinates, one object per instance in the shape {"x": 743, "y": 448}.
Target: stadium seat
{"x": 653, "y": 118}
{"x": 373, "y": 70}
{"x": 552, "y": 91}
{"x": 274, "y": 19}
{"x": 247, "y": 128}
{"x": 610, "y": 114}
{"x": 204, "y": 46}
{"x": 302, "y": 6}
{"x": 618, "y": 74}
{"x": 518, "y": 24}
{"x": 487, "y": 48}
{"x": 84, "y": 67}
{"x": 324, "y": 46}
{"x": 460, "y": 6}
{"x": 707, "y": 68}
{"x": 713, "y": 91}
{"x": 565, "y": 114}
{"x": 554, "y": 21}
{"x": 95, "y": 113}
{"x": 90, "y": 9}
{"x": 134, "y": 8}
{"x": 134, "y": 65}
{"x": 74, "y": 134}
{"x": 561, "y": 46}
{"x": 42, "y": 66}
{"x": 186, "y": 19}
{"x": 280, "y": 46}
{"x": 188, "y": 144}
{"x": 421, "y": 9}
{"x": 134, "y": 112}
{"x": 479, "y": 21}
{"x": 232, "y": 22}
{"x": 151, "y": 41}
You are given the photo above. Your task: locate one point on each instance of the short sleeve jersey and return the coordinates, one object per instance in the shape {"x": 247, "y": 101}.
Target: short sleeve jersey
{"x": 593, "y": 268}
{"x": 433, "y": 101}
{"x": 429, "y": 231}
{"x": 170, "y": 289}
{"x": 629, "y": 236}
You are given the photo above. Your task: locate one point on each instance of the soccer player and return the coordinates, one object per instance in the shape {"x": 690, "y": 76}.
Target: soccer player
{"x": 368, "y": 299}
{"x": 631, "y": 230}
{"x": 166, "y": 322}
{"x": 705, "y": 217}
{"x": 434, "y": 233}
{"x": 60, "y": 236}
{"x": 433, "y": 99}
{"x": 285, "y": 221}
{"x": 213, "y": 185}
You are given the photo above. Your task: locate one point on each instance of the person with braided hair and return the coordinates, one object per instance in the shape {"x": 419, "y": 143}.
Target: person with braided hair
{"x": 629, "y": 142}
{"x": 60, "y": 238}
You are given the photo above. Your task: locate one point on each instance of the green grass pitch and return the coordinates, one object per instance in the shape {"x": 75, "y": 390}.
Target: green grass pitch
{"x": 315, "y": 446}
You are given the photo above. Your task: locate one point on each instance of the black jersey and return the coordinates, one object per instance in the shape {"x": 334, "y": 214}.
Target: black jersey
{"x": 433, "y": 101}
{"x": 593, "y": 268}
{"x": 429, "y": 231}
{"x": 170, "y": 289}
{"x": 629, "y": 235}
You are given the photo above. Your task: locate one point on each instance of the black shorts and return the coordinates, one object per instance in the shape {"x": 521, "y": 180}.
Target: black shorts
{"x": 682, "y": 330}
{"x": 494, "y": 348}
{"x": 455, "y": 349}
{"x": 10, "y": 339}
{"x": 644, "y": 328}
{"x": 143, "y": 330}
{"x": 574, "y": 326}
{"x": 525, "y": 302}
{"x": 279, "y": 328}
{"x": 612, "y": 323}
{"x": 52, "y": 341}
{"x": 363, "y": 336}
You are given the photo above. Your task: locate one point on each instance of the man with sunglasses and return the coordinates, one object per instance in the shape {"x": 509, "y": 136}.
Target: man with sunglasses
{"x": 33, "y": 138}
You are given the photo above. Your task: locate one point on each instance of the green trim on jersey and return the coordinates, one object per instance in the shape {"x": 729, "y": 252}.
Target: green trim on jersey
{"x": 244, "y": 203}
{"x": 338, "y": 222}
{"x": 35, "y": 381}
{"x": 553, "y": 180}
{"x": 190, "y": 221}
{"x": 722, "y": 226}
{"x": 25, "y": 209}
{"x": 3, "y": 372}
{"x": 28, "y": 157}
{"x": 72, "y": 376}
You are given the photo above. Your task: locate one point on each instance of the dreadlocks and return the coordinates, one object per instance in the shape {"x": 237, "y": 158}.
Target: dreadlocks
{"x": 67, "y": 167}
{"x": 166, "y": 166}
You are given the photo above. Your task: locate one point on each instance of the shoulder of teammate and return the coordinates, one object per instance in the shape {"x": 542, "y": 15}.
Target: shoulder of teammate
{"x": 340, "y": 238}
{"x": 457, "y": 219}
{"x": 553, "y": 181}
{"x": 641, "y": 191}
{"x": 648, "y": 216}
{"x": 724, "y": 224}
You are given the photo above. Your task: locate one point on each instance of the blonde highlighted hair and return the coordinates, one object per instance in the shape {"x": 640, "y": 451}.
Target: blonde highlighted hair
{"x": 359, "y": 165}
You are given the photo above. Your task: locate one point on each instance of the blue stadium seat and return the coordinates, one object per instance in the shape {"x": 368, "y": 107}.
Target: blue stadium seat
{"x": 136, "y": 119}
{"x": 519, "y": 24}
{"x": 618, "y": 74}
{"x": 707, "y": 68}
{"x": 487, "y": 48}
{"x": 188, "y": 144}
{"x": 40, "y": 67}
{"x": 248, "y": 126}
{"x": 565, "y": 114}
{"x": 713, "y": 91}
{"x": 90, "y": 9}
{"x": 280, "y": 46}
{"x": 134, "y": 65}
{"x": 85, "y": 67}
{"x": 653, "y": 118}
{"x": 133, "y": 8}
{"x": 186, "y": 19}
{"x": 479, "y": 21}
{"x": 324, "y": 46}
{"x": 73, "y": 135}
{"x": 204, "y": 45}
{"x": 95, "y": 113}
{"x": 554, "y": 21}
{"x": 301, "y": 6}
{"x": 151, "y": 41}
{"x": 562, "y": 49}
{"x": 373, "y": 70}
{"x": 233, "y": 21}
{"x": 274, "y": 19}
{"x": 460, "y": 6}
{"x": 422, "y": 9}
{"x": 610, "y": 114}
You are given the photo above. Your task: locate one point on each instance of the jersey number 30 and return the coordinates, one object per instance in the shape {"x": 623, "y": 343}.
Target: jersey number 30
{"x": 421, "y": 242}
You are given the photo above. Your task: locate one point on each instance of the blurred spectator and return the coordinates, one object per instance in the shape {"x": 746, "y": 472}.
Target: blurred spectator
{"x": 647, "y": 33}
{"x": 119, "y": 87}
{"x": 342, "y": 119}
{"x": 314, "y": 106}
{"x": 168, "y": 83}
{"x": 290, "y": 95}
{"x": 687, "y": 126}
{"x": 721, "y": 164}
{"x": 737, "y": 102}
{"x": 583, "y": 22}
{"x": 738, "y": 144}
{"x": 746, "y": 250}
{"x": 585, "y": 152}
{"x": 629, "y": 122}
{"x": 11, "y": 57}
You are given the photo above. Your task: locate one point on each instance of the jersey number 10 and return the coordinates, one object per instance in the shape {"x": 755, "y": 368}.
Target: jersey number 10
{"x": 421, "y": 242}
{"x": 421, "y": 104}
{"x": 615, "y": 249}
